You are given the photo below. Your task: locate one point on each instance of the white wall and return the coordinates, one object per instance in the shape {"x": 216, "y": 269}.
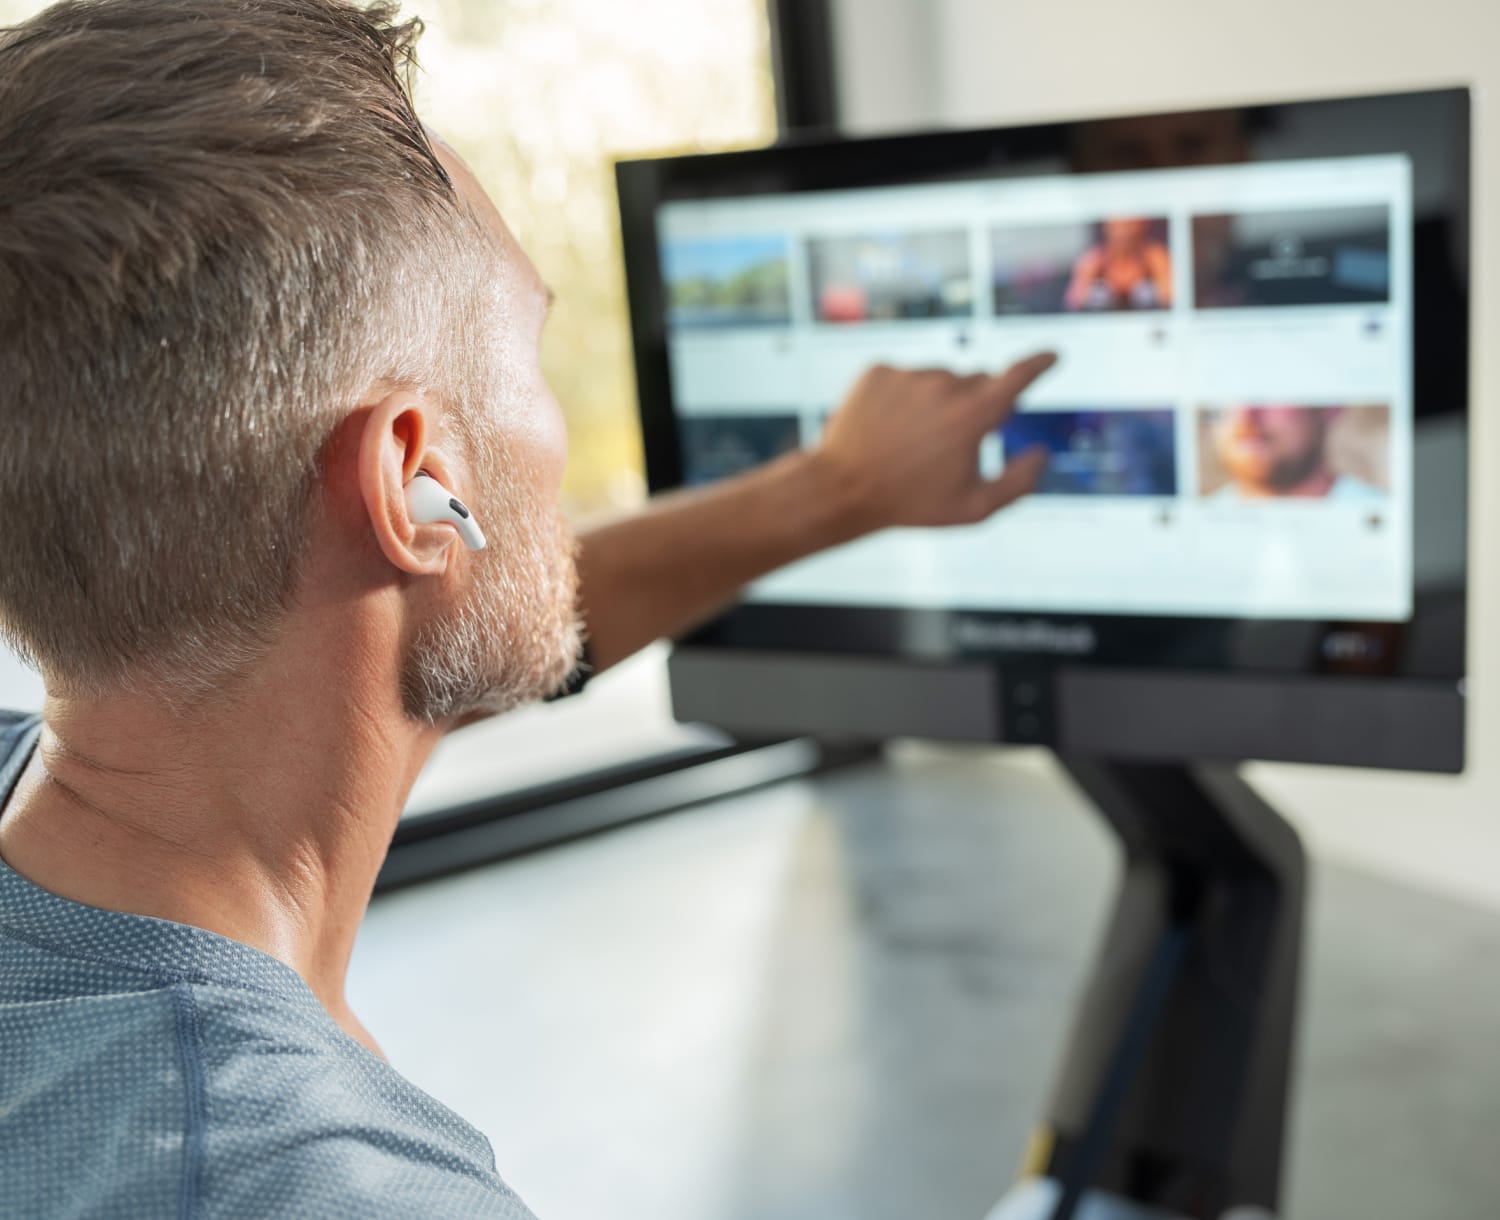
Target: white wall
{"x": 20, "y": 688}
{"x": 982, "y": 62}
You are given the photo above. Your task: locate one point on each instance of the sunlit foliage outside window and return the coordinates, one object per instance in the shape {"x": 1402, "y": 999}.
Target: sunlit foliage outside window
{"x": 539, "y": 96}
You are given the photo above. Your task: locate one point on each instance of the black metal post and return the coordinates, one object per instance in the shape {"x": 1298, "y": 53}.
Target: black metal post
{"x": 802, "y": 60}
{"x": 1174, "y": 1088}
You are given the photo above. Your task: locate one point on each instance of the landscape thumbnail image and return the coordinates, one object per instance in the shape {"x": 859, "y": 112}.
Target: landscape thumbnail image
{"x": 1279, "y": 451}
{"x": 1120, "y": 264}
{"x": 720, "y": 282}
{"x": 888, "y": 277}
{"x": 1300, "y": 256}
{"x": 1099, "y": 452}
{"x": 717, "y": 447}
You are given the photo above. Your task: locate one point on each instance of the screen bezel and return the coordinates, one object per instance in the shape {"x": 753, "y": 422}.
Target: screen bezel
{"x": 1429, "y": 646}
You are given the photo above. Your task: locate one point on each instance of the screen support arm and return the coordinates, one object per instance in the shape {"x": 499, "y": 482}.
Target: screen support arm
{"x": 1174, "y": 1087}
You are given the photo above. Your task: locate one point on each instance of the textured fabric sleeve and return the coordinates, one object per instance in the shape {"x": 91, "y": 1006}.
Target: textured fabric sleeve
{"x": 356, "y": 1173}
{"x": 18, "y": 733}
{"x": 302, "y": 1122}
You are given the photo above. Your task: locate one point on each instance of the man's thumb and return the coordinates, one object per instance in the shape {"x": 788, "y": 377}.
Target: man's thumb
{"x": 1019, "y": 478}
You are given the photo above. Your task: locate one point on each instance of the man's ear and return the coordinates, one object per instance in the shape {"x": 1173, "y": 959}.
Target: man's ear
{"x": 394, "y": 444}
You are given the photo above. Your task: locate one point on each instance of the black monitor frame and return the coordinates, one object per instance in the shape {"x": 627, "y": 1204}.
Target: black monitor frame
{"x": 1159, "y": 687}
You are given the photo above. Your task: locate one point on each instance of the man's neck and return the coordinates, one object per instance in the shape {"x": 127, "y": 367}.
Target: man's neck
{"x": 263, "y": 816}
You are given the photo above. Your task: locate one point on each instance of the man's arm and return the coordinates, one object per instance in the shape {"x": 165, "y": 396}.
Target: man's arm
{"x": 902, "y": 451}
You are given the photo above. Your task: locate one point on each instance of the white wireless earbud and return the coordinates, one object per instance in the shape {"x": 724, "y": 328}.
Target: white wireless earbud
{"x": 428, "y": 502}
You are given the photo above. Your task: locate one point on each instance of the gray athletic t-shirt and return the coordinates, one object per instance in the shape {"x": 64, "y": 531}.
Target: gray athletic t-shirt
{"x": 150, "y": 1069}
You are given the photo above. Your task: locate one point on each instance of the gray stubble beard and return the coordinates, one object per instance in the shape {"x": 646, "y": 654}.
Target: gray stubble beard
{"x": 517, "y": 636}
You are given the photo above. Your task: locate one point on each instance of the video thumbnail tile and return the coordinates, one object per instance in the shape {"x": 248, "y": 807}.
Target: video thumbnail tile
{"x": 727, "y": 281}
{"x": 887, "y": 277}
{"x": 1304, "y": 256}
{"x": 1113, "y": 265}
{"x": 1262, "y": 452}
{"x": 1100, "y": 453}
{"x": 716, "y": 447}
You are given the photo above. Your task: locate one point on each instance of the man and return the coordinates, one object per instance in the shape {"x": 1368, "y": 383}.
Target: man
{"x": 1281, "y": 452}
{"x": 244, "y": 300}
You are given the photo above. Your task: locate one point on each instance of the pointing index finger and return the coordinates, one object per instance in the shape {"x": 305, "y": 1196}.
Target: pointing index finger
{"x": 996, "y": 399}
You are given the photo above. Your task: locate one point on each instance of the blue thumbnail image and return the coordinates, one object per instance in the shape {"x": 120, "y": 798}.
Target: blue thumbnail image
{"x": 1100, "y": 453}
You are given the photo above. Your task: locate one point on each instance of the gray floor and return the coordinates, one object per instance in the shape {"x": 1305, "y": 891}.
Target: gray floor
{"x": 844, "y": 999}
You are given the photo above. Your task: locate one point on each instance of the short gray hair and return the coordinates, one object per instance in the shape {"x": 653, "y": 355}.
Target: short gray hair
{"x": 220, "y": 222}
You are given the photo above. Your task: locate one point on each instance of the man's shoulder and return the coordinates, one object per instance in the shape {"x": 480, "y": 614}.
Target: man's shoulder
{"x": 14, "y": 726}
{"x": 16, "y": 732}
{"x": 220, "y": 1101}
{"x": 300, "y": 1119}
{"x": 90, "y": 1097}
{"x": 265, "y": 1055}
{"x": 348, "y": 1175}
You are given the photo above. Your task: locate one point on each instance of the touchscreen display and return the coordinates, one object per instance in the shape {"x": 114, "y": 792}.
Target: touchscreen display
{"x": 1229, "y": 427}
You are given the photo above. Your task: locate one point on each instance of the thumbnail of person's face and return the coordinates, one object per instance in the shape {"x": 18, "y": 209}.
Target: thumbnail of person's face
{"x": 1272, "y": 449}
{"x": 1125, "y": 234}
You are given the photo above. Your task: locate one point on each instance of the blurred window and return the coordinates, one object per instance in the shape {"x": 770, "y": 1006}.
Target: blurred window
{"x": 539, "y": 96}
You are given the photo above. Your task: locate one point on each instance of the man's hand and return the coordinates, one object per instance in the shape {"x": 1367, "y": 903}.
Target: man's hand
{"x": 904, "y": 447}
{"x": 903, "y": 450}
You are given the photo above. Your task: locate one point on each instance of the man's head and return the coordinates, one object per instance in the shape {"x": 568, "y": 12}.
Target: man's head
{"x": 1125, "y": 234}
{"x": 1162, "y": 141}
{"x": 226, "y": 242}
{"x": 1272, "y": 450}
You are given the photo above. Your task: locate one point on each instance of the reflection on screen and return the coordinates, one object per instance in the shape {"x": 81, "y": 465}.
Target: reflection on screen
{"x": 1229, "y": 428}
